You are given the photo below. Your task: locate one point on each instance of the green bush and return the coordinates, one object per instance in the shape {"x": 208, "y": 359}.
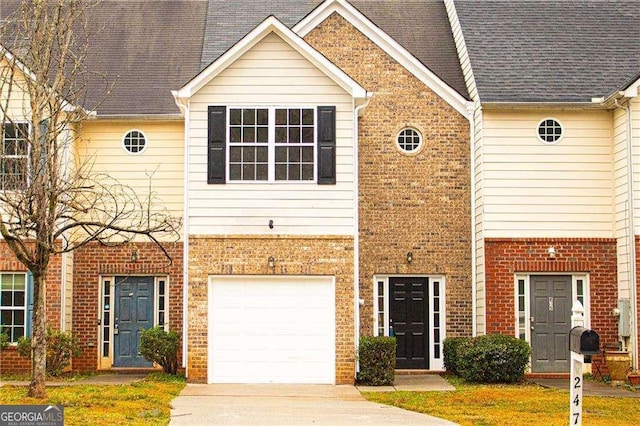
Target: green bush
{"x": 377, "y": 357}
{"x": 161, "y": 347}
{"x": 4, "y": 338}
{"x": 451, "y": 357}
{"x": 494, "y": 358}
{"x": 61, "y": 347}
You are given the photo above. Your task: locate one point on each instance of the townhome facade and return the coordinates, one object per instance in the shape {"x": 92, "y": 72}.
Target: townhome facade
{"x": 554, "y": 147}
{"x": 345, "y": 168}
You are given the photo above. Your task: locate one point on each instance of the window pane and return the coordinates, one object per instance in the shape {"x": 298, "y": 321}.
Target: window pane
{"x": 235, "y": 154}
{"x": 294, "y": 135}
{"x": 307, "y": 172}
{"x": 248, "y": 116}
{"x": 262, "y": 154}
{"x": 307, "y": 135}
{"x": 248, "y": 134}
{"x": 281, "y": 117}
{"x": 294, "y": 116}
{"x": 281, "y": 172}
{"x": 235, "y": 171}
{"x": 248, "y": 155}
{"x": 281, "y": 154}
{"x": 6, "y": 318}
{"x": 263, "y": 117}
{"x": 307, "y": 116}
{"x": 281, "y": 134}
{"x": 18, "y": 298}
{"x": 263, "y": 135}
{"x": 262, "y": 172}
{"x": 235, "y": 117}
{"x": 6, "y": 299}
{"x": 294, "y": 172}
{"x": 248, "y": 172}
{"x": 294, "y": 155}
{"x": 307, "y": 154}
{"x": 235, "y": 134}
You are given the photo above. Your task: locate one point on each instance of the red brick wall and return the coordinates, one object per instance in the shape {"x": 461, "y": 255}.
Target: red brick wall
{"x": 10, "y": 361}
{"x": 96, "y": 260}
{"x": 507, "y": 256}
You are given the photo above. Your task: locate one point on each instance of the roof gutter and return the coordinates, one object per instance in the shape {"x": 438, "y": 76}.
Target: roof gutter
{"x": 138, "y": 117}
{"x": 540, "y": 105}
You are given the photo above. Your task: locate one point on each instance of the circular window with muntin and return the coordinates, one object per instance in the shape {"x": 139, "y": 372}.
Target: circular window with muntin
{"x": 409, "y": 140}
{"x": 134, "y": 141}
{"x": 550, "y": 131}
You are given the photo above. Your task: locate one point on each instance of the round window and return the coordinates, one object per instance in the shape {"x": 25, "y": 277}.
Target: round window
{"x": 409, "y": 140}
{"x": 134, "y": 141}
{"x": 549, "y": 130}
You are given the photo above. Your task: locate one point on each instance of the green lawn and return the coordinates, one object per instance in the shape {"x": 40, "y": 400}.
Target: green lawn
{"x": 141, "y": 403}
{"x": 525, "y": 404}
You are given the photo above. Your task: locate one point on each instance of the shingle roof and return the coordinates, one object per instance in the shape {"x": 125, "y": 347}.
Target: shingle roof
{"x": 550, "y": 51}
{"x": 146, "y": 48}
{"x": 420, "y": 26}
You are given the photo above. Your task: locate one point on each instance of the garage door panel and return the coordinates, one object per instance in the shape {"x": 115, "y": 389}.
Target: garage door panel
{"x": 272, "y": 330}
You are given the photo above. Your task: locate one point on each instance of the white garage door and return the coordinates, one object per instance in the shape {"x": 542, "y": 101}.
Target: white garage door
{"x": 271, "y": 330}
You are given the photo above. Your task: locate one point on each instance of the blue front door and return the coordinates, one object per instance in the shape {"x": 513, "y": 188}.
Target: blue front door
{"x": 133, "y": 313}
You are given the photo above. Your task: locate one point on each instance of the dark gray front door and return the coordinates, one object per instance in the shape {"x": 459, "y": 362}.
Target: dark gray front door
{"x": 550, "y": 323}
{"x": 409, "y": 316}
{"x": 133, "y": 313}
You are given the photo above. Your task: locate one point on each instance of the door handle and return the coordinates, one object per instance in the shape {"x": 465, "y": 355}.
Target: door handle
{"x": 116, "y": 326}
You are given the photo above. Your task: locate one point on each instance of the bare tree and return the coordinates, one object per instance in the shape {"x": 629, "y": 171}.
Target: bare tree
{"x": 51, "y": 202}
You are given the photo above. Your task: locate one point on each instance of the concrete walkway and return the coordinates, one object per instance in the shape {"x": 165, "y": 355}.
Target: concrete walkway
{"x": 412, "y": 382}
{"x": 238, "y": 404}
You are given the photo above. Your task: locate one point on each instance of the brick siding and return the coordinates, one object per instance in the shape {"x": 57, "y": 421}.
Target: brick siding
{"x": 10, "y": 361}
{"x": 247, "y": 255}
{"x": 417, "y": 203}
{"x": 505, "y": 257}
{"x": 93, "y": 261}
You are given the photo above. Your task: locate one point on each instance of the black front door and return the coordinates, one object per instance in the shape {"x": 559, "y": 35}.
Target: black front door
{"x": 550, "y": 323}
{"x": 133, "y": 313}
{"x": 409, "y": 317}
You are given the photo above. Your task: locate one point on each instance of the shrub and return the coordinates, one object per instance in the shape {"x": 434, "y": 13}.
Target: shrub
{"x": 494, "y": 358}
{"x": 61, "y": 347}
{"x": 4, "y": 338}
{"x": 451, "y": 357}
{"x": 161, "y": 347}
{"x": 377, "y": 357}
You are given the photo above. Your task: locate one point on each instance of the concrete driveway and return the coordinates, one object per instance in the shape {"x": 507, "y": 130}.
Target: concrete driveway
{"x": 286, "y": 405}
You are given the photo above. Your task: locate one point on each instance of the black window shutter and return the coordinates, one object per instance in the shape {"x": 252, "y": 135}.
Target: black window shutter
{"x": 217, "y": 144}
{"x": 326, "y": 145}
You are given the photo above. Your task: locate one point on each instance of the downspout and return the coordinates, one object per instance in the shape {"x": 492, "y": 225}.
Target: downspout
{"x": 474, "y": 267}
{"x": 631, "y": 238}
{"x": 184, "y": 106}
{"x": 356, "y": 230}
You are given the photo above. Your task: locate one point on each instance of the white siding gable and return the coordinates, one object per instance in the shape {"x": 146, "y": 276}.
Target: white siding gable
{"x": 271, "y": 73}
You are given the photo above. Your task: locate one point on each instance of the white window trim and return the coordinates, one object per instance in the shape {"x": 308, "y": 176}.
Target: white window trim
{"x": 527, "y": 298}
{"x": 561, "y": 131}
{"x": 434, "y": 363}
{"x": 26, "y": 305}
{"x": 420, "y": 141}
{"x": 146, "y": 142}
{"x": 271, "y": 145}
{"x": 27, "y": 156}
{"x": 112, "y": 293}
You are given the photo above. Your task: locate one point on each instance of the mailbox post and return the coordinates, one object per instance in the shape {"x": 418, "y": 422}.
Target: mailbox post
{"x": 581, "y": 342}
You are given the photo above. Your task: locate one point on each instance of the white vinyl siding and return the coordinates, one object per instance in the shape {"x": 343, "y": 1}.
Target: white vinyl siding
{"x": 532, "y": 189}
{"x": 162, "y": 160}
{"x": 271, "y": 74}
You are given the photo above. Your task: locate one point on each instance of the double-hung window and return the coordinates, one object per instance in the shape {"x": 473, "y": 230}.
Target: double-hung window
{"x": 272, "y": 144}
{"x": 14, "y": 156}
{"x": 13, "y": 305}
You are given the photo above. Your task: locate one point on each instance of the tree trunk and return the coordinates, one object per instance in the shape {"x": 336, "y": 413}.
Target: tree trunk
{"x": 39, "y": 338}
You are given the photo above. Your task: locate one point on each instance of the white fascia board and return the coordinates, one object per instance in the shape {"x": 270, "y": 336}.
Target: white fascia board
{"x": 387, "y": 44}
{"x": 268, "y": 26}
{"x": 632, "y": 90}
